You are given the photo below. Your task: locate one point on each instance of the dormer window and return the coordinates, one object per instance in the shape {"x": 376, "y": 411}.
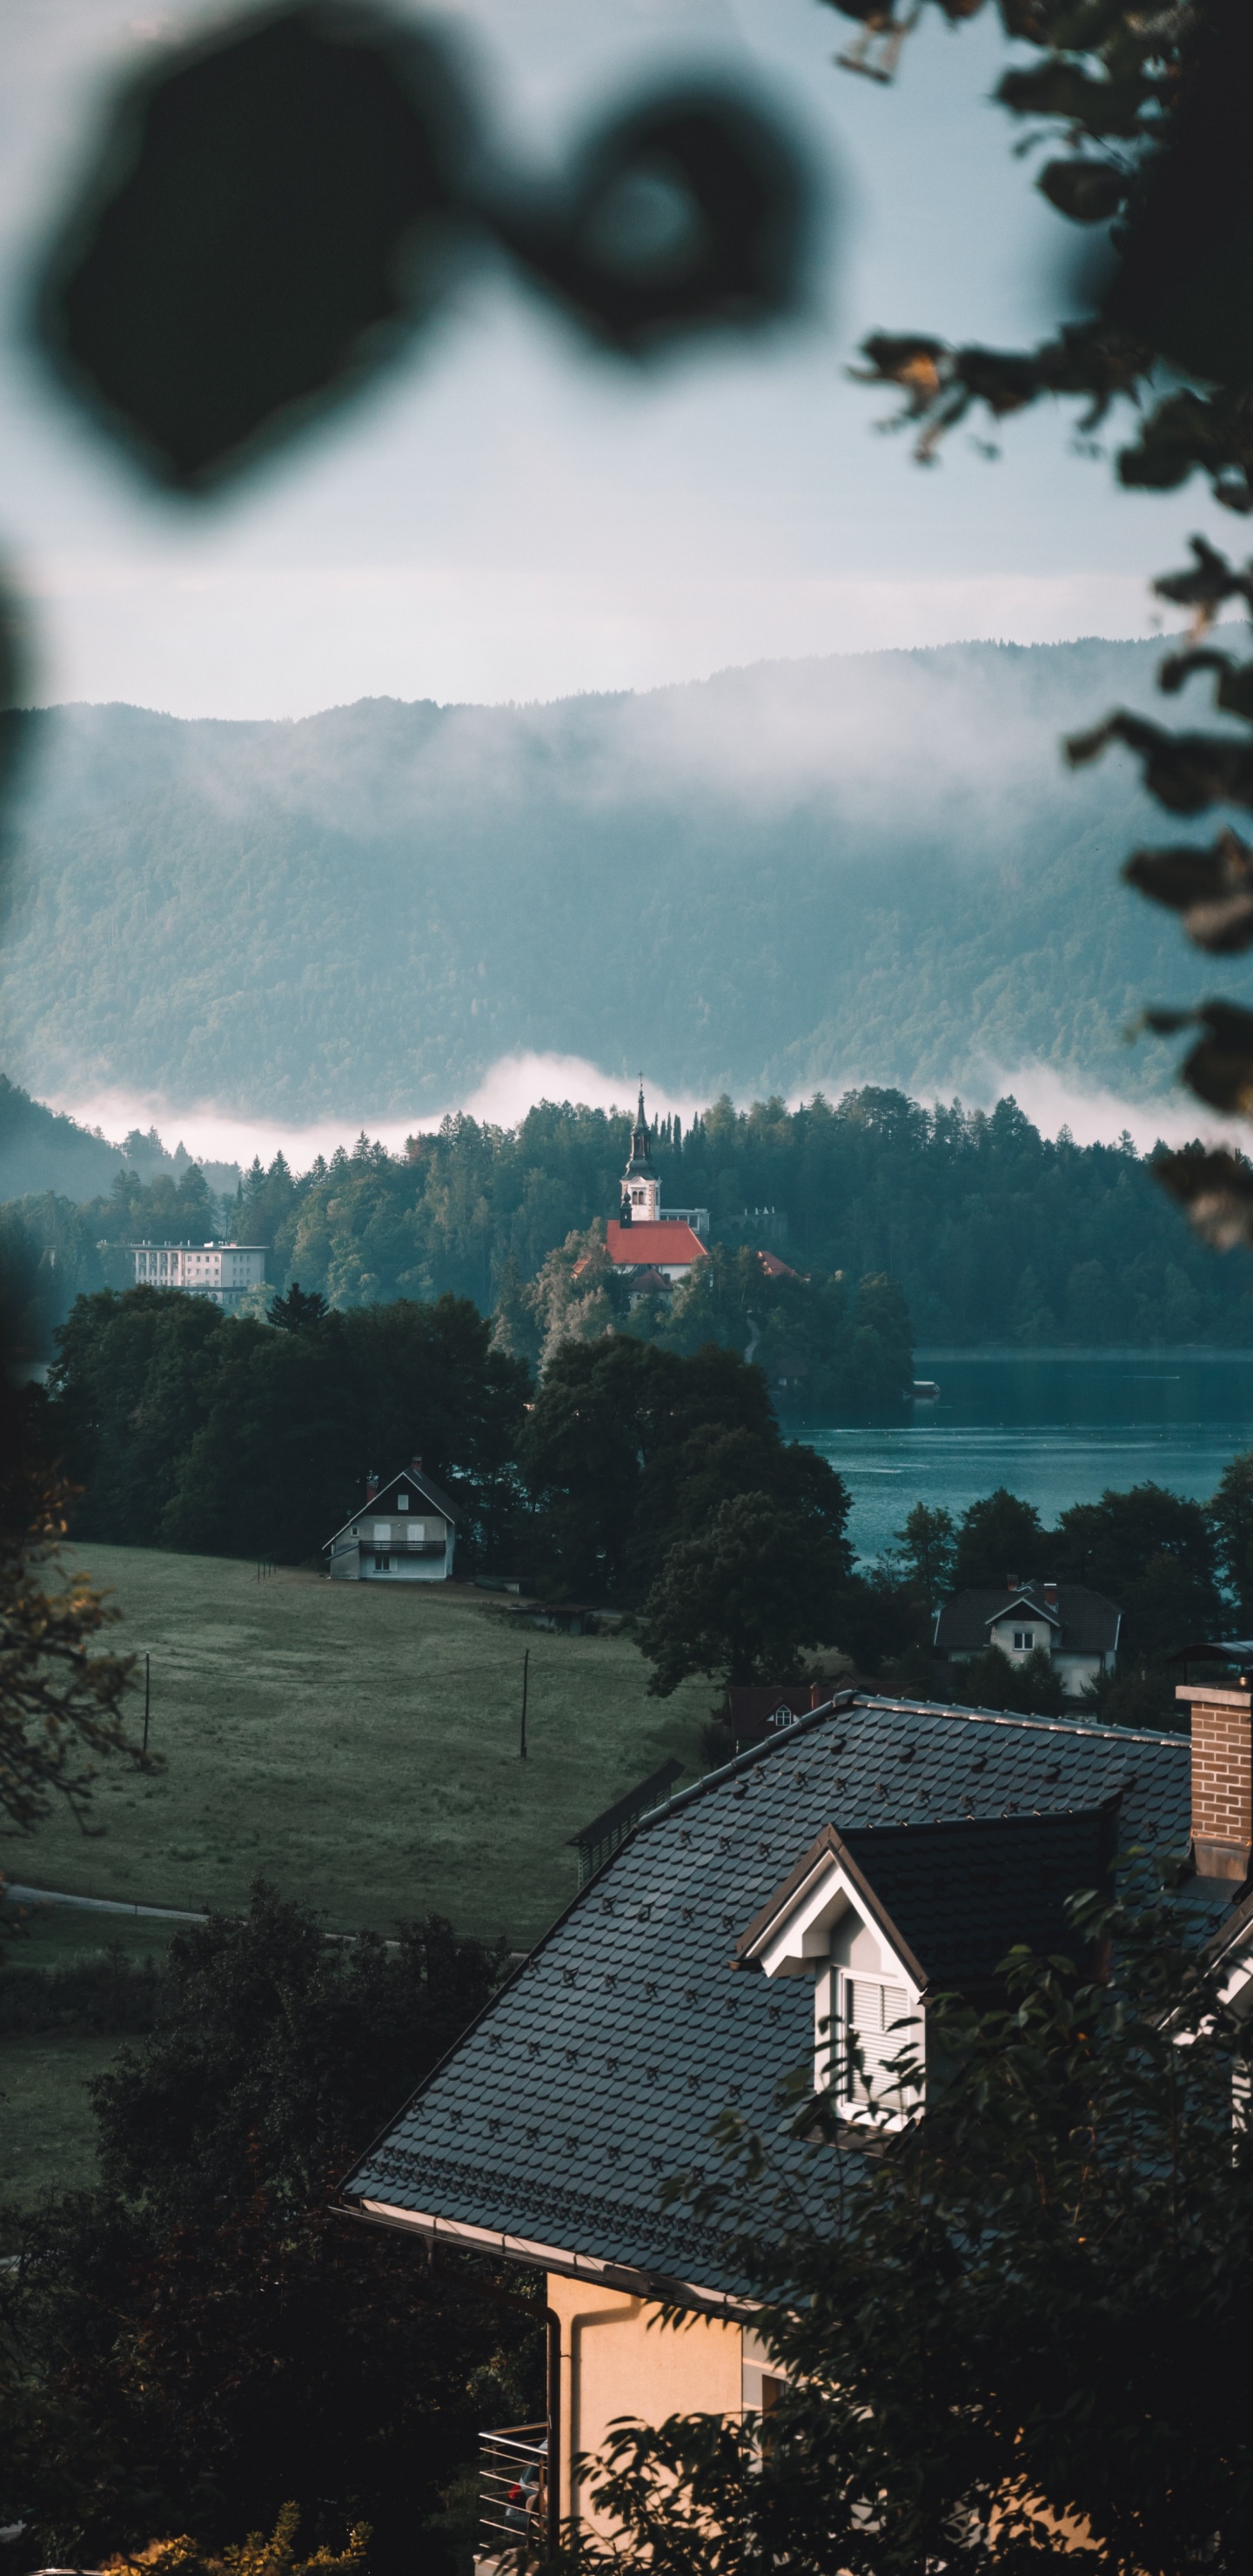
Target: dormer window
{"x": 402, "y": 1502}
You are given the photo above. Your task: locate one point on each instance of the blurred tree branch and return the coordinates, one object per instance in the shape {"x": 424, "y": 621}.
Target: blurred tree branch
{"x": 1150, "y": 106}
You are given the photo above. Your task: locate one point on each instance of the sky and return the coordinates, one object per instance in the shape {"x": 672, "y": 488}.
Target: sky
{"x": 506, "y": 517}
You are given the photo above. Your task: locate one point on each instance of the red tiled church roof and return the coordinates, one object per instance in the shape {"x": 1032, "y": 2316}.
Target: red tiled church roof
{"x": 658, "y": 1246}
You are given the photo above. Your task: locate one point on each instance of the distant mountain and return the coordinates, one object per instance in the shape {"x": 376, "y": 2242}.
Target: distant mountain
{"x": 862, "y": 869}
{"x": 41, "y": 1151}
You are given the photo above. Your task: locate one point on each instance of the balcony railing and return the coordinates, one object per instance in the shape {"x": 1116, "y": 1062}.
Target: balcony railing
{"x": 513, "y": 2497}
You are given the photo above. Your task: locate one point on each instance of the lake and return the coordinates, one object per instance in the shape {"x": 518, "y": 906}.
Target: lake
{"x": 1055, "y": 1428}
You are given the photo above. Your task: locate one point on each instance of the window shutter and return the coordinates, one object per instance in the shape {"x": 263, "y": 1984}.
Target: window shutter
{"x": 870, "y": 2011}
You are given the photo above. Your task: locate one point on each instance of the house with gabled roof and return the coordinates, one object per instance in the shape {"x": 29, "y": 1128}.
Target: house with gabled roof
{"x": 800, "y": 1908}
{"x": 1077, "y": 1629}
{"x": 404, "y": 1532}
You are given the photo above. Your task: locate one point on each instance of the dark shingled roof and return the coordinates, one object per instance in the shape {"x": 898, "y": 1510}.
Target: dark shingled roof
{"x": 1088, "y": 1622}
{"x": 599, "y": 2068}
{"x": 962, "y": 1895}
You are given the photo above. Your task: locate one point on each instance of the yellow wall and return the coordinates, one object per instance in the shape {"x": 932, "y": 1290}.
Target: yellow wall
{"x": 617, "y": 2358}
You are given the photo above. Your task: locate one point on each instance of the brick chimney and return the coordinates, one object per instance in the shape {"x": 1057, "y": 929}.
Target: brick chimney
{"x": 1049, "y": 1591}
{"x": 371, "y": 1486}
{"x": 415, "y": 1466}
{"x": 1222, "y": 1777}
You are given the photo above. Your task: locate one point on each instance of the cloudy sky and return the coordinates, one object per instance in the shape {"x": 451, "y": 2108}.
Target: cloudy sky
{"x": 506, "y": 518}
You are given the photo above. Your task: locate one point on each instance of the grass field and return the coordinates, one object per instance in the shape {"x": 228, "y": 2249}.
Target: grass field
{"x": 358, "y": 1745}
{"x": 47, "y": 2136}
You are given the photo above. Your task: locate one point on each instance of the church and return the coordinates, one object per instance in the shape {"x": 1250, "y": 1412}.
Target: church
{"x": 644, "y": 1236}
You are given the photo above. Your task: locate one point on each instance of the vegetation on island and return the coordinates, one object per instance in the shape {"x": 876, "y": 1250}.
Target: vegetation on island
{"x": 991, "y": 1232}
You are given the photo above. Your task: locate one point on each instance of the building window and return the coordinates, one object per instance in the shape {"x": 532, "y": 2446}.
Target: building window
{"x": 871, "y": 2008}
{"x": 402, "y": 1502}
{"x": 1024, "y": 1640}
{"x": 382, "y": 1564}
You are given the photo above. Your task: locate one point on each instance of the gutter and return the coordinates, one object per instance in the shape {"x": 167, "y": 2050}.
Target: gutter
{"x": 659, "y": 2287}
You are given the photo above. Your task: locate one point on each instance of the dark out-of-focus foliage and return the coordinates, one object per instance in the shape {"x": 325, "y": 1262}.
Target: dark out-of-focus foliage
{"x": 1152, "y": 109}
{"x": 1013, "y": 2332}
{"x": 276, "y": 209}
{"x": 201, "y": 2339}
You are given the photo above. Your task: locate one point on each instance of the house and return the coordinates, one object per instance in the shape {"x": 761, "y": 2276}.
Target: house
{"x": 1077, "y": 1629}
{"x": 644, "y": 1236}
{"x": 405, "y": 1532}
{"x": 755, "y": 1710}
{"x": 222, "y": 1271}
{"x": 850, "y": 1867}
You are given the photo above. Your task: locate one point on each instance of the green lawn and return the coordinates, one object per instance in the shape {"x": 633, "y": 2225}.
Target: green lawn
{"x": 358, "y": 1745}
{"x": 47, "y": 2135}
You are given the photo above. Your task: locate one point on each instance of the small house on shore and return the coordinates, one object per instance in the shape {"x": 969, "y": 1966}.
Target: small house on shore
{"x": 1076, "y": 1628}
{"x": 404, "y": 1532}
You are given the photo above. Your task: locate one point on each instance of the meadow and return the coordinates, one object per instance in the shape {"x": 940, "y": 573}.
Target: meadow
{"x": 357, "y": 1745}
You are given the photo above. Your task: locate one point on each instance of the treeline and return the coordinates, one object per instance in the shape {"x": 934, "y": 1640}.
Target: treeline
{"x": 223, "y": 1435}
{"x": 991, "y": 1231}
{"x": 636, "y": 1477}
{"x": 1180, "y": 1571}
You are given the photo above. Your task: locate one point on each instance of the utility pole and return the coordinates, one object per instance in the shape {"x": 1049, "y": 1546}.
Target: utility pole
{"x": 147, "y": 1696}
{"x": 525, "y": 1676}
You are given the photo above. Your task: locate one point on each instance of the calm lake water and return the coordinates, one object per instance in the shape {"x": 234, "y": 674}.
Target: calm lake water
{"x": 1056, "y": 1431}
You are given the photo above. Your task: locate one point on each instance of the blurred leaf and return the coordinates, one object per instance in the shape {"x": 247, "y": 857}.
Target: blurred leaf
{"x": 1186, "y": 280}
{"x": 1213, "y": 889}
{"x": 1088, "y": 191}
{"x": 1220, "y": 1067}
{"x": 274, "y": 211}
{"x": 686, "y": 213}
{"x": 1216, "y": 1192}
{"x": 1184, "y": 771}
{"x": 267, "y": 212}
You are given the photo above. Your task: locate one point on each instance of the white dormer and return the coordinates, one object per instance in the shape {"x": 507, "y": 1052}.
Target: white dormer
{"x": 868, "y": 1987}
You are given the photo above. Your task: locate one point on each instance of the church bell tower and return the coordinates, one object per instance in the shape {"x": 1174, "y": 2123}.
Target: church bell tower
{"x": 641, "y": 1190}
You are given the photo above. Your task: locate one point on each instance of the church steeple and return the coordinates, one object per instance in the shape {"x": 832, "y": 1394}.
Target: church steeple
{"x": 641, "y": 1191}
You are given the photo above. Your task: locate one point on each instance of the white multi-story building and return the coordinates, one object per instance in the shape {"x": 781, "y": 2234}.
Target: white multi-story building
{"x": 221, "y": 1271}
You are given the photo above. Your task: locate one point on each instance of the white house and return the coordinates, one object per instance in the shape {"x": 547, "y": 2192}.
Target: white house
{"x": 1077, "y": 1629}
{"x": 221, "y": 1271}
{"x": 405, "y": 1532}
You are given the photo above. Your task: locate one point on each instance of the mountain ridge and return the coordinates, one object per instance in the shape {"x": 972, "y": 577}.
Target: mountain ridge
{"x": 791, "y": 875}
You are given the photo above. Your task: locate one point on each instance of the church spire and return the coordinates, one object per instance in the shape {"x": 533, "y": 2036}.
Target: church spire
{"x": 641, "y": 1192}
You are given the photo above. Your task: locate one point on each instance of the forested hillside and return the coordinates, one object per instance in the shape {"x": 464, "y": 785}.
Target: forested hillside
{"x": 992, "y": 1232}
{"x": 795, "y": 876}
{"x": 40, "y": 1150}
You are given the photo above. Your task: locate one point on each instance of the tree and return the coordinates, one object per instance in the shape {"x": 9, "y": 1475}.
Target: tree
{"x": 1013, "y": 2326}
{"x": 1150, "y": 108}
{"x": 993, "y": 1680}
{"x": 1230, "y": 1517}
{"x": 1153, "y": 1553}
{"x": 190, "y": 1428}
{"x": 202, "y": 2338}
{"x": 297, "y": 1312}
{"x": 1001, "y": 1541}
{"x": 61, "y": 1703}
{"x": 741, "y": 1599}
{"x": 926, "y": 1552}
{"x": 630, "y": 1449}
